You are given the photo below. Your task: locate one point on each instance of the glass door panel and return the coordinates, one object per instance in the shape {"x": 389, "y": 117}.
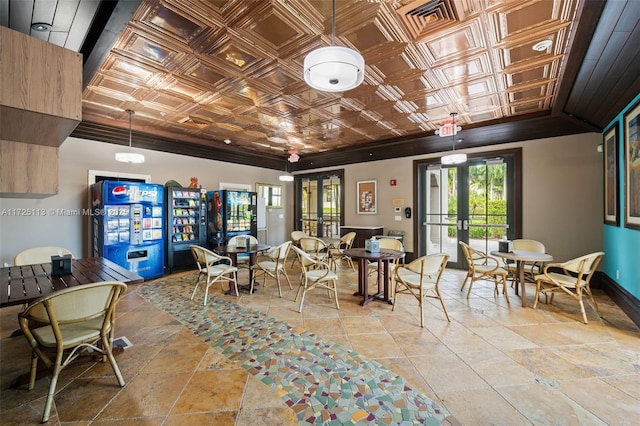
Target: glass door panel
{"x": 320, "y": 204}
{"x": 471, "y": 202}
{"x": 440, "y": 226}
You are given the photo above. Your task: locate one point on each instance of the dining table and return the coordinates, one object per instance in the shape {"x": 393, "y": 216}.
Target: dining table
{"x": 233, "y": 251}
{"x": 26, "y": 283}
{"x": 383, "y": 257}
{"x": 521, "y": 257}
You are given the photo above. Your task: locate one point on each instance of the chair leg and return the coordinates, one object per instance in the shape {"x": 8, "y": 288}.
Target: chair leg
{"x": 304, "y": 292}
{"x": 234, "y": 275}
{"x": 446, "y": 314}
{"x": 535, "y": 299}
{"x": 34, "y": 369}
{"x": 52, "y": 388}
{"x": 504, "y": 288}
{"x": 595, "y": 305}
{"x": 106, "y": 341}
{"x": 465, "y": 282}
{"x": 287, "y": 278}
{"x": 335, "y": 293}
{"x": 584, "y": 314}
{"x": 470, "y": 285}
{"x": 196, "y": 287}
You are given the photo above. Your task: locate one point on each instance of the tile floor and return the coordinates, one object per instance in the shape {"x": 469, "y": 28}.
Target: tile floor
{"x": 494, "y": 363}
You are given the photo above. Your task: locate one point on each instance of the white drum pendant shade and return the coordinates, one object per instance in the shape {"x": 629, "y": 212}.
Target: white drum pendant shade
{"x": 334, "y": 69}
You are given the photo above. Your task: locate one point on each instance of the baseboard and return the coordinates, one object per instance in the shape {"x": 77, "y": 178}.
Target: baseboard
{"x": 629, "y": 304}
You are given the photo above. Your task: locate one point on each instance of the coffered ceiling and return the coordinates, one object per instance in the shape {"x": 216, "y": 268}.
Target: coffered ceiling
{"x": 199, "y": 72}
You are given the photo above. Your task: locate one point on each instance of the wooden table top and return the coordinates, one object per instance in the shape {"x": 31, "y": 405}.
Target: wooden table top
{"x": 525, "y": 256}
{"x": 383, "y": 254}
{"x": 24, "y": 284}
{"x": 251, "y": 248}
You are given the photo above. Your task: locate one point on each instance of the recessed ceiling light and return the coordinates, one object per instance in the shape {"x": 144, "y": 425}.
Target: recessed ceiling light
{"x": 543, "y": 45}
{"x": 40, "y": 26}
{"x": 227, "y": 141}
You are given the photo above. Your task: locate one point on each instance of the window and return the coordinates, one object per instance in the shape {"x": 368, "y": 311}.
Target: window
{"x": 272, "y": 194}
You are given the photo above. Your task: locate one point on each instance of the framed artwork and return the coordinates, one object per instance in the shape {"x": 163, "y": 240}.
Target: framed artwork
{"x": 611, "y": 180}
{"x": 632, "y": 167}
{"x": 367, "y": 193}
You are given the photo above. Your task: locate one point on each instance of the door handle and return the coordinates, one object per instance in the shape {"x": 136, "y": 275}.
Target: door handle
{"x": 465, "y": 225}
{"x": 460, "y": 225}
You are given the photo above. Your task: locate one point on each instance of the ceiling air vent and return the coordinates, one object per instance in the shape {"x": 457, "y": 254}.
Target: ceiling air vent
{"x": 425, "y": 17}
{"x": 194, "y": 122}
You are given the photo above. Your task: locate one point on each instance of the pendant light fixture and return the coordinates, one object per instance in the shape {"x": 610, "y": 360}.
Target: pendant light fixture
{"x": 453, "y": 158}
{"x": 129, "y": 157}
{"x": 333, "y": 68}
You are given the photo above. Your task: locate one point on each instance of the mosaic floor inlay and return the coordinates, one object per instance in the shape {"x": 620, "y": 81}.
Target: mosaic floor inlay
{"x": 323, "y": 382}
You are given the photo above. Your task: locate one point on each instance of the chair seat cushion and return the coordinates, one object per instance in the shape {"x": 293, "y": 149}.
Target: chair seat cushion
{"x": 267, "y": 265}
{"x": 484, "y": 268}
{"x": 72, "y": 334}
{"x": 562, "y": 279}
{"x": 413, "y": 279}
{"x": 316, "y": 274}
{"x": 221, "y": 268}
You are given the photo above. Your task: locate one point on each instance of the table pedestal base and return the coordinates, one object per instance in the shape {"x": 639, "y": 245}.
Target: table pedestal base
{"x": 363, "y": 282}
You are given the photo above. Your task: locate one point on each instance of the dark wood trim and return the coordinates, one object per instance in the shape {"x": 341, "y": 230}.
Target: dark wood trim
{"x": 115, "y": 135}
{"x": 626, "y": 301}
{"x": 111, "y": 20}
{"x": 515, "y": 129}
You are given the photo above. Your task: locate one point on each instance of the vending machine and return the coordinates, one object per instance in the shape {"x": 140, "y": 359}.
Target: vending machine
{"x": 128, "y": 225}
{"x": 186, "y": 225}
{"x": 231, "y": 213}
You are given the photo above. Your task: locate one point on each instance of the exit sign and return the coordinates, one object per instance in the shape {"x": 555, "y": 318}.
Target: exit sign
{"x": 447, "y": 129}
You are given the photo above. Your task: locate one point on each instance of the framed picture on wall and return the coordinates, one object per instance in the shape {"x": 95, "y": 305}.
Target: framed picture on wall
{"x": 632, "y": 167}
{"x": 367, "y": 193}
{"x": 611, "y": 180}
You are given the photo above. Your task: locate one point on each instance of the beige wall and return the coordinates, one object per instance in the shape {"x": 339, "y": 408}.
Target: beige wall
{"x": 562, "y": 190}
{"x": 562, "y": 194}
{"x": 77, "y": 156}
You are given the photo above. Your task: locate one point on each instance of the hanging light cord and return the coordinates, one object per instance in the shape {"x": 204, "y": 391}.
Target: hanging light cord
{"x": 333, "y": 25}
{"x": 130, "y": 112}
{"x": 453, "y": 133}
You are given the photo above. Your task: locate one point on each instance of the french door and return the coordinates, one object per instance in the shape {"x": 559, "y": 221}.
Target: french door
{"x": 474, "y": 202}
{"x": 318, "y": 201}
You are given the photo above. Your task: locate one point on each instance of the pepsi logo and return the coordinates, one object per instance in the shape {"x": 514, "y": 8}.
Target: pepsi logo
{"x": 119, "y": 192}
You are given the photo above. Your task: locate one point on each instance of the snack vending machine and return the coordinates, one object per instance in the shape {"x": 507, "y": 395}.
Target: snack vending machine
{"x": 128, "y": 225}
{"x": 186, "y": 225}
{"x": 231, "y": 213}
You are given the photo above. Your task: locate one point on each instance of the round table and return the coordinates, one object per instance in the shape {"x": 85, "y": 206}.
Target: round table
{"x": 233, "y": 251}
{"x": 382, "y": 257}
{"x": 521, "y": 257}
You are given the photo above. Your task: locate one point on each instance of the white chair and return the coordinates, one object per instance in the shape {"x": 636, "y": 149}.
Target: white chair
{"x": 316, "y": 273}
{"x": 272, "y": 264}
{"x": 72, "y": 320}
{"x": 572, "y": 279}
{"x": 337, "y": 253}
{"x": 388, "y": 244}
{"x": 531, "y": 269}
{"x": 481, "y": 266}
{"x": 242, "y": 258}
{"x": 38, "y": 255}
{"x": 295, "y": 238}
{"x": 314, "y": 247}
{"x": 421, "y": 279}
{"x": 215, "y": 268}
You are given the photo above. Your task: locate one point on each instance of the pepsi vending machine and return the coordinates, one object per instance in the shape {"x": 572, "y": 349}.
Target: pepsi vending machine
{"x": 128, "y": 226}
